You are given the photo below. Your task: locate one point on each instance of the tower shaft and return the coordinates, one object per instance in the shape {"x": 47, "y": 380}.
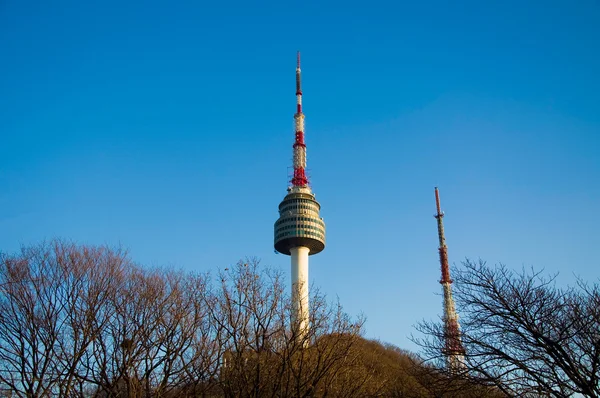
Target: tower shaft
{"x": 453, "y": 349}
{"x": 300, "y": 287}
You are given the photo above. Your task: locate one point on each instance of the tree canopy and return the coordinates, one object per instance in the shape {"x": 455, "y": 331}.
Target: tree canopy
{"x": 86, "y": 321}
{"x": 522, "y": 333}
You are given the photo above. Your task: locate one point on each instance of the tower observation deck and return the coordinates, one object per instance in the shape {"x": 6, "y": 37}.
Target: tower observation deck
{"x": 299, "y": 223}
{"x": 299, "y": 230}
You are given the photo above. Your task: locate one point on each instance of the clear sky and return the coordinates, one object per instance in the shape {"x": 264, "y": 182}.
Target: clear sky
{"x": 167, "y": 127}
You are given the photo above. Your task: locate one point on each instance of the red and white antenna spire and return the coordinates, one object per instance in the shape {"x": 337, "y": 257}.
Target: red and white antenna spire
{"x": 299, "y": 179}
{"x": 443, "y": 249}
{"x": 454, "y": 350}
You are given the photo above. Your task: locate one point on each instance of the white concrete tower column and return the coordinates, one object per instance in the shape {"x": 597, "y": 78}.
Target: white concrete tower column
{"x": 300, "y": 296}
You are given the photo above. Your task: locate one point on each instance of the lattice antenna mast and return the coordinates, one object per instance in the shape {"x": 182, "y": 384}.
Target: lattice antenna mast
{"x": 299, "y": 179}
{"x": 453, "y": 351}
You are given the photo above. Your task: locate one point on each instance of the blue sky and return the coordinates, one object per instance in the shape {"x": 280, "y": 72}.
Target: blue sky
{"x": 167, "y": 127}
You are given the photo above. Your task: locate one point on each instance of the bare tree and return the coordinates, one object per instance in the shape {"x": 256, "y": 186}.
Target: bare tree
{"x": 263, "y": 354}
{"x": 158, "y": 338}
{"x": 523, "y": 334}
{"x": 327, "y": 353}
{"x": 246, "y": 307}
{"x": 198, "y": 353}
{"x": 49, "y": 300}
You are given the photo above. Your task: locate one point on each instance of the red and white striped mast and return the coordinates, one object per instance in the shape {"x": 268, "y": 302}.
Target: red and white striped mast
{"x": 453, "y": 350}
{"x": 299, "y": 179}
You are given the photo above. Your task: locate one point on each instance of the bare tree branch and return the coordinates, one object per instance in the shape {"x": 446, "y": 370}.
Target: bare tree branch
{"x": 522, "y": 333}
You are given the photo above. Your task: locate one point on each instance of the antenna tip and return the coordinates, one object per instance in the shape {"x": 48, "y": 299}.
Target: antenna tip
{"x": 437, "y": 200}
{"x": 298, "y": 58}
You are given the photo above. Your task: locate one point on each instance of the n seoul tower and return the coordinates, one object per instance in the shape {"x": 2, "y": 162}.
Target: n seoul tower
{"x": 299, "y": 231}
{"x": 453, "y": 351}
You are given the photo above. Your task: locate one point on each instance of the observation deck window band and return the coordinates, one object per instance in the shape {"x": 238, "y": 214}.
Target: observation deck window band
{"x": 301, "y": 233}
{"x": 296, "y": 231}
{"x": 294, "y": 201}
{"x": 302, "y": 226}
{"x": 313, "y": 220}
{"x": 298, "y": 207}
